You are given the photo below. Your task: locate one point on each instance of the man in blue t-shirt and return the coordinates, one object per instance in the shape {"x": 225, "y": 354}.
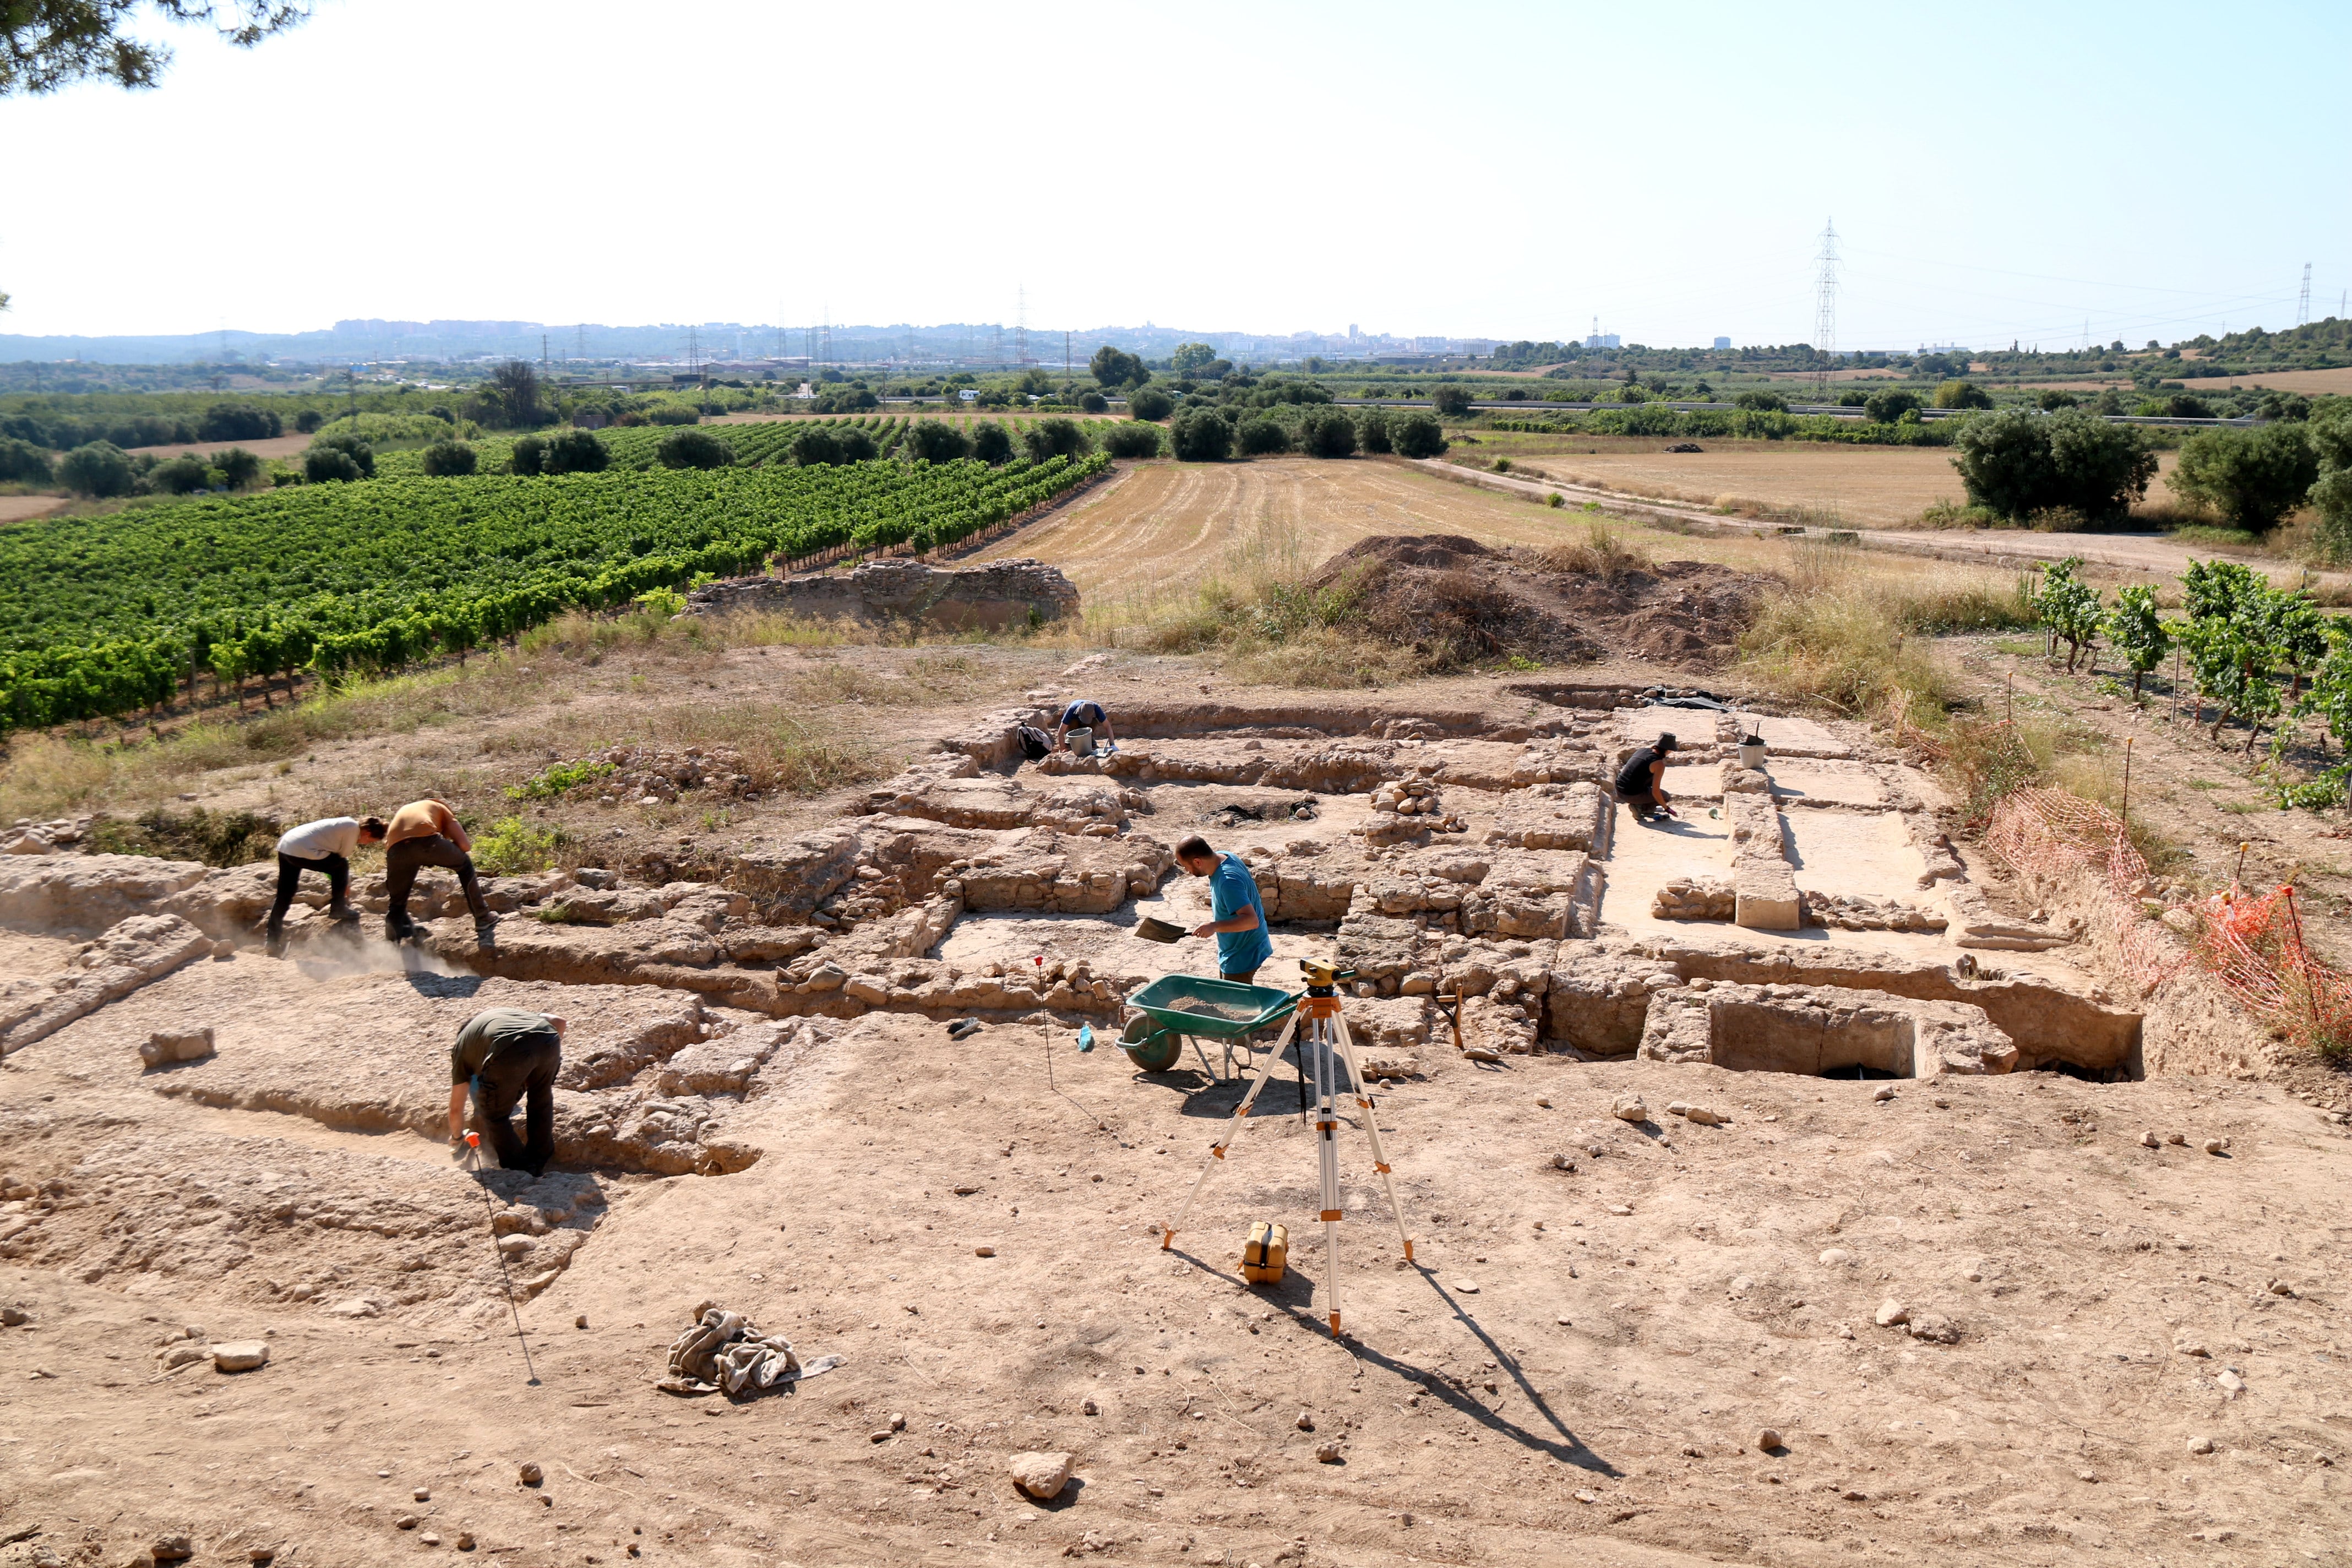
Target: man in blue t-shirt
{"x": 1239, "y": 914}
{"x": 1084, "y": 714}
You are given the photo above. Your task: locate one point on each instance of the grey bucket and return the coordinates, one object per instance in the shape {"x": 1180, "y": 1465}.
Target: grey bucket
{"x": 1082, "y": 742}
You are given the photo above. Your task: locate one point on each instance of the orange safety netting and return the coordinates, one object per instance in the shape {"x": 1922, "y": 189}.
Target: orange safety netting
{"x": 2252, "y": 946}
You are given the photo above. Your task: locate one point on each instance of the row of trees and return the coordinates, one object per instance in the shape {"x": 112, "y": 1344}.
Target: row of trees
{"x": 227, "y": 421}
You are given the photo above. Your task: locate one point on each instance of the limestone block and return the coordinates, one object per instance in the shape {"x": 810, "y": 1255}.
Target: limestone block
{"x": 791, "y": 877}
{"x": 167, "y": 1045}
{"x": 131, "y": 954}
{"x": 1755, "y": 822}
{"x": 1694, "y": 899}
{"x": 1765, "y": 894}
{"x": 1979, "y": 925}
{"x": 1551, "y": 817}
{"x": 1596, "y": 1002}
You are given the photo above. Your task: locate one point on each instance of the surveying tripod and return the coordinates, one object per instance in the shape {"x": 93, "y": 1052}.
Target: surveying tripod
{"x": 1326, "y": 1052}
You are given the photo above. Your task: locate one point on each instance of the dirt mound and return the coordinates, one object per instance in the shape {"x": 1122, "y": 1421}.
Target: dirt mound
{"x": 1455, "y": 600}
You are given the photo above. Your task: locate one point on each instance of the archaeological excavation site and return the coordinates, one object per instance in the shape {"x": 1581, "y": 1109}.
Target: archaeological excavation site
{"x": 1788, "y": 1179}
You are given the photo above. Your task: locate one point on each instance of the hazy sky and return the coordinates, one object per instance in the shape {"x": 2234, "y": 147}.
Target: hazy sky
{"x": 1995, "y": 171}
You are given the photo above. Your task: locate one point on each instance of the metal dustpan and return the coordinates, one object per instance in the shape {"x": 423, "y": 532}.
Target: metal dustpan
{"x": 1151, "y": 929}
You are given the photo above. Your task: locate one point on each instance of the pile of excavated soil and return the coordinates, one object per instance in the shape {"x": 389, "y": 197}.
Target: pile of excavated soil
{"x": 1452, "y": 598}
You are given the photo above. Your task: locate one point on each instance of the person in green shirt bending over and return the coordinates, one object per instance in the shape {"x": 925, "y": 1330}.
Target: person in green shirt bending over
{"x": 1239, "y": 922}
{"x": 503, "y": 1055}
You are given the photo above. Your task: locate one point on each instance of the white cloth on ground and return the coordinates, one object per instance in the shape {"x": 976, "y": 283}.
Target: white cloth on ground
{"x": 724, "y": 1352}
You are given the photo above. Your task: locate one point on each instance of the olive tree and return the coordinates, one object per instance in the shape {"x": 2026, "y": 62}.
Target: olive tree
{"x": 2250, "y": 478}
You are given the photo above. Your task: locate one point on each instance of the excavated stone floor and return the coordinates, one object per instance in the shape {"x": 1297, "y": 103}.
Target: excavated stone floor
{"x": 762, "y": 1040}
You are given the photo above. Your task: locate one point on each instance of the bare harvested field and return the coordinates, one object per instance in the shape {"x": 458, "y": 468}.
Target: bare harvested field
{"x": 17, "y": 508}
{"x": 1851, "y": 487}
{"x": 1163, "y": 522}
{"x": 2311, "y": 383}
{"x": 273, "y": 447}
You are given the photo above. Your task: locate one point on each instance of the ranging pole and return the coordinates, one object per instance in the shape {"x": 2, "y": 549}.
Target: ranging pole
{"x": 1826, "y": 305}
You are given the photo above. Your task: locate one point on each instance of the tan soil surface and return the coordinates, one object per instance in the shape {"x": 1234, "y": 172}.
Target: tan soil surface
{"x": 1164, "y": 523}
{"x": 1601, "y": 1318}
{"x": 1831, "y": 486}
{"x": 17, "y": 508}
{"x": 272, "y": 446}
{"x": 2312, "y": 383}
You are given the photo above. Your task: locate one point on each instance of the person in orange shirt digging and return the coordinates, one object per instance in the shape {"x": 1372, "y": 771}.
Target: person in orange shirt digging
{"x": 426, "y": 833}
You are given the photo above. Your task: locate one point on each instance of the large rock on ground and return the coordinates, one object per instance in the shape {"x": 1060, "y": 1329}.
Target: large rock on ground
{"x": 131, "y": 954}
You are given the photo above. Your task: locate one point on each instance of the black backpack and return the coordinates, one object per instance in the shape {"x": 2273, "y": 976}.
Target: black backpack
{"x": 1035, "y": 742}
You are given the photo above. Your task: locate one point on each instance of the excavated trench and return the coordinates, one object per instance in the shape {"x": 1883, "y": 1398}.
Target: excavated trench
{"x": 1468, "y": 857}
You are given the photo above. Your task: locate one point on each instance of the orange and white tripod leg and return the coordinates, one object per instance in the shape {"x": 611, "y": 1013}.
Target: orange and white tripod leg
{"x": 1233, "y": 1129}
{"x": 1372, "y": 1131}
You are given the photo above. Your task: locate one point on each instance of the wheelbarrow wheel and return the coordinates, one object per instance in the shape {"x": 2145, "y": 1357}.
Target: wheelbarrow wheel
{"x": 1151, "y": 1048}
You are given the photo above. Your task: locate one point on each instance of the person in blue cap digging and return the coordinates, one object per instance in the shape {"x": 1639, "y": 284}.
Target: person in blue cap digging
{"x": 1237, "y": 914}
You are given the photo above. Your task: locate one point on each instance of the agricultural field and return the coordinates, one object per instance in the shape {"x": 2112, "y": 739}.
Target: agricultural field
{"x": 1164, "y": 524}
{"x": 108, "y": 614}
{"x": 1802, "y": 481}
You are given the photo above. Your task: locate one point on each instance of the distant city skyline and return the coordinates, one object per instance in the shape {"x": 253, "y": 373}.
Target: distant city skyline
{"x": 1511, "y": 173}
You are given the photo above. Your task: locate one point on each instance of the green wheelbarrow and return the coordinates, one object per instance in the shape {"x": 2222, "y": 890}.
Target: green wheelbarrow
{"x": 1175, "y": 1008}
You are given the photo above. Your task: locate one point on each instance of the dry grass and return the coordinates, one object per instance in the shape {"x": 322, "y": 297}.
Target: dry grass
{"x": 1849, "y": 633}
{"x": 1603, "y": 551}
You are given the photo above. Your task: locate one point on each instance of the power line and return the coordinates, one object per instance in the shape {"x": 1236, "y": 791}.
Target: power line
{"x": 1825, "y": 304}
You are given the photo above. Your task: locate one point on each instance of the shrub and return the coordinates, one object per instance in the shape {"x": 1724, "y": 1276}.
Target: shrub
{"x": 577, "y": 452}
{"x": 2018, "y": 462}
{"x": 1054, "y": 439}
{"x": 97, "y": 468}
{"x": 239, "y": 421}
{"x": 1202, "y": 436}
{"x": 687, "y": 447}
{"x": 361, "y": 455}
{"x": 1261, "y": 437}
{"x": 1149, "y": 403}
{"x": 323, "y": 464}
{"x": 1885, "y": 407}
{"x": 2252, "y": 478}
{"x": 937, "y": 441}
{"x": 511, "y": 847}
{"x": 991, "y": 443}
{"x": 857, "y": 445}
{"x": 449, "y": 459}
{"x": 1328, "y": 433}
{"x": 1132, "y": 438}
{"x": 183, "y": 475}
{"x": 1094, "y": 403}
{"x": 1450, "y": 401}
{"x": 2053, "y": 400}
{"x": 2177, "y": 406}
{"x": 1417, "y": 435}
{"x": 309, "y": 421}
{"x": 671, "y": 413}
{"x": 1632, "y": 392}
{"x": 1772, "y": 401}
{"x": 23, "y": 463}
{"x": 237, "y": 468}
{"x": 1372, "y": 430}
{"x": 2330, "y": 433}
{"x": 527, "y": 456}
{"x": 1962, "y": 394}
